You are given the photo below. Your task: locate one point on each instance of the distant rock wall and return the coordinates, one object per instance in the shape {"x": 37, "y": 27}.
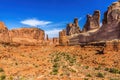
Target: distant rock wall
{"x": 27, "y": 35}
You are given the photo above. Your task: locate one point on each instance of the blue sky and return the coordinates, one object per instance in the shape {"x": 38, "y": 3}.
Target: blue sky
{"x": 49, "y": 15}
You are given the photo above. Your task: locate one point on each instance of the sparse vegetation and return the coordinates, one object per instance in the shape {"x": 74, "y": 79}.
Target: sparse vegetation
{"x": 98, "y": 68}
{"x": 101, "y": 75}
{"x": 113, "y": 70}
{"x": 1, "y": 70}
{"x": 86, "y": 67}
{"x": 2, "y": 77}
{"x": 88, "y": 75}
{"x": 62, "y": 59}
{"x": 114, "y": 79}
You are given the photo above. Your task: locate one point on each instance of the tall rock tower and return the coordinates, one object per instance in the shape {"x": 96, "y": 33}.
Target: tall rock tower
{"x": 93, "y": 21}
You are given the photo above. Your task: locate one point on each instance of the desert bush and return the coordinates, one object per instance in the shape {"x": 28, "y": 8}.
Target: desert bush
{"x": 86, "y": 67}
{"x": 1, "y": 70}
{"x": 106, "y": 69}
{"x": 100, "y": 75}
{"x": 98, "y": 68}
{"x": 113, "y": 70}
{"x": 2, "y": 77}
{"x": 114, "y": 79}
{"x": 88, "y": 75}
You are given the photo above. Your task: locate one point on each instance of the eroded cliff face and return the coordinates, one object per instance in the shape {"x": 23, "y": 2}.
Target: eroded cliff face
{"x": 27, "y": 35}
{"x": 73, "y": 28}
{"x": 92, "y": 32}
{"x": 4, "y": 33}
{"x": 111, "y": 24}
{"x": 93, "y": 21}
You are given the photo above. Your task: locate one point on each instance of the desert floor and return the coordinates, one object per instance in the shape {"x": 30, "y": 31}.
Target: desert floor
{"x": 57, "y": 63}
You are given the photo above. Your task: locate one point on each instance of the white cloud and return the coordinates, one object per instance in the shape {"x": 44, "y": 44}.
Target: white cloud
{"x": 101, "y": 24}
{"x": 53, "y": 33}
{"x": 80, "y": 18}
{"x": 57, "y": 25}
{"x": 35, "y": 22}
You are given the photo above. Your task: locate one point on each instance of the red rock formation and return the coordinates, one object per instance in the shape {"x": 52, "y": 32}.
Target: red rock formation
{"x": 92, "y": 33}
{"x": 4, "y": 33}
{"x": 93, "y": 22}
{"x": 55, "y": 40}
{"x": 47, "y": 38}
{"x": 63, "y": 40}
{"x": 73, "y": 28}
{"x": 27, "y": 35}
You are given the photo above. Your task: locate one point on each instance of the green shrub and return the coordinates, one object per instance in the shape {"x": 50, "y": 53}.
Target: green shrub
{"x": 100, "y": 75}
{"x": 88, "y": 75}
{"x": 86, "y": 67}
{"x": 98, "y": 68}
{"x": 113, "y": 70}
{"x": 2, "y": 77}
{"x": 106, "y": 69}
{"x": 1, "y": 70}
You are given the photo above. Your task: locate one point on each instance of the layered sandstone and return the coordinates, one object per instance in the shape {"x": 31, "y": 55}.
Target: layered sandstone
{"x": 62, "y": 37}
{"x": 93, "y": 22}
{"x": 92, "y": 32}
{"x": 73, "y": 28}
{"x": 27, "y": 35}
{"x": 4, "y": 33}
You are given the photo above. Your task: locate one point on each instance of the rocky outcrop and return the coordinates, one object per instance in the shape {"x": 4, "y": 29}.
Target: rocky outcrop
{"x": 4, "y": 33}
{"x": 92, "y": 32}
{"x": 73, "y": 28}
{"x": 93, "y": 22}
{"x": 55, "y": 40}
{"x": 63, "y": 39}
{"x": 27, "y": 35}
{"x": 111, "y": 24}
{"x": 47, "y": 38}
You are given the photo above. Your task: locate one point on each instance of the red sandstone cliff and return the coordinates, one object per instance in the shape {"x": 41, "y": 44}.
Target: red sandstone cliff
{"x": 27, "y": 35}
{"x": 4, "y": 33}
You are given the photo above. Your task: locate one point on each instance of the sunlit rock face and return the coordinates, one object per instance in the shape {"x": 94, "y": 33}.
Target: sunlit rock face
{"x": 73, "y": 28}
{"x": 92, "y": 32}
{"x": 27, "y": 35}
{"x": 4, "y": 33}
{"x": 93, "y": 21}
{"x": 111, "y": 24}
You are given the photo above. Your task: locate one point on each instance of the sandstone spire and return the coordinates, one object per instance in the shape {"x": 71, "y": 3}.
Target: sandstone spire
{"x": 93, "y": 21}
